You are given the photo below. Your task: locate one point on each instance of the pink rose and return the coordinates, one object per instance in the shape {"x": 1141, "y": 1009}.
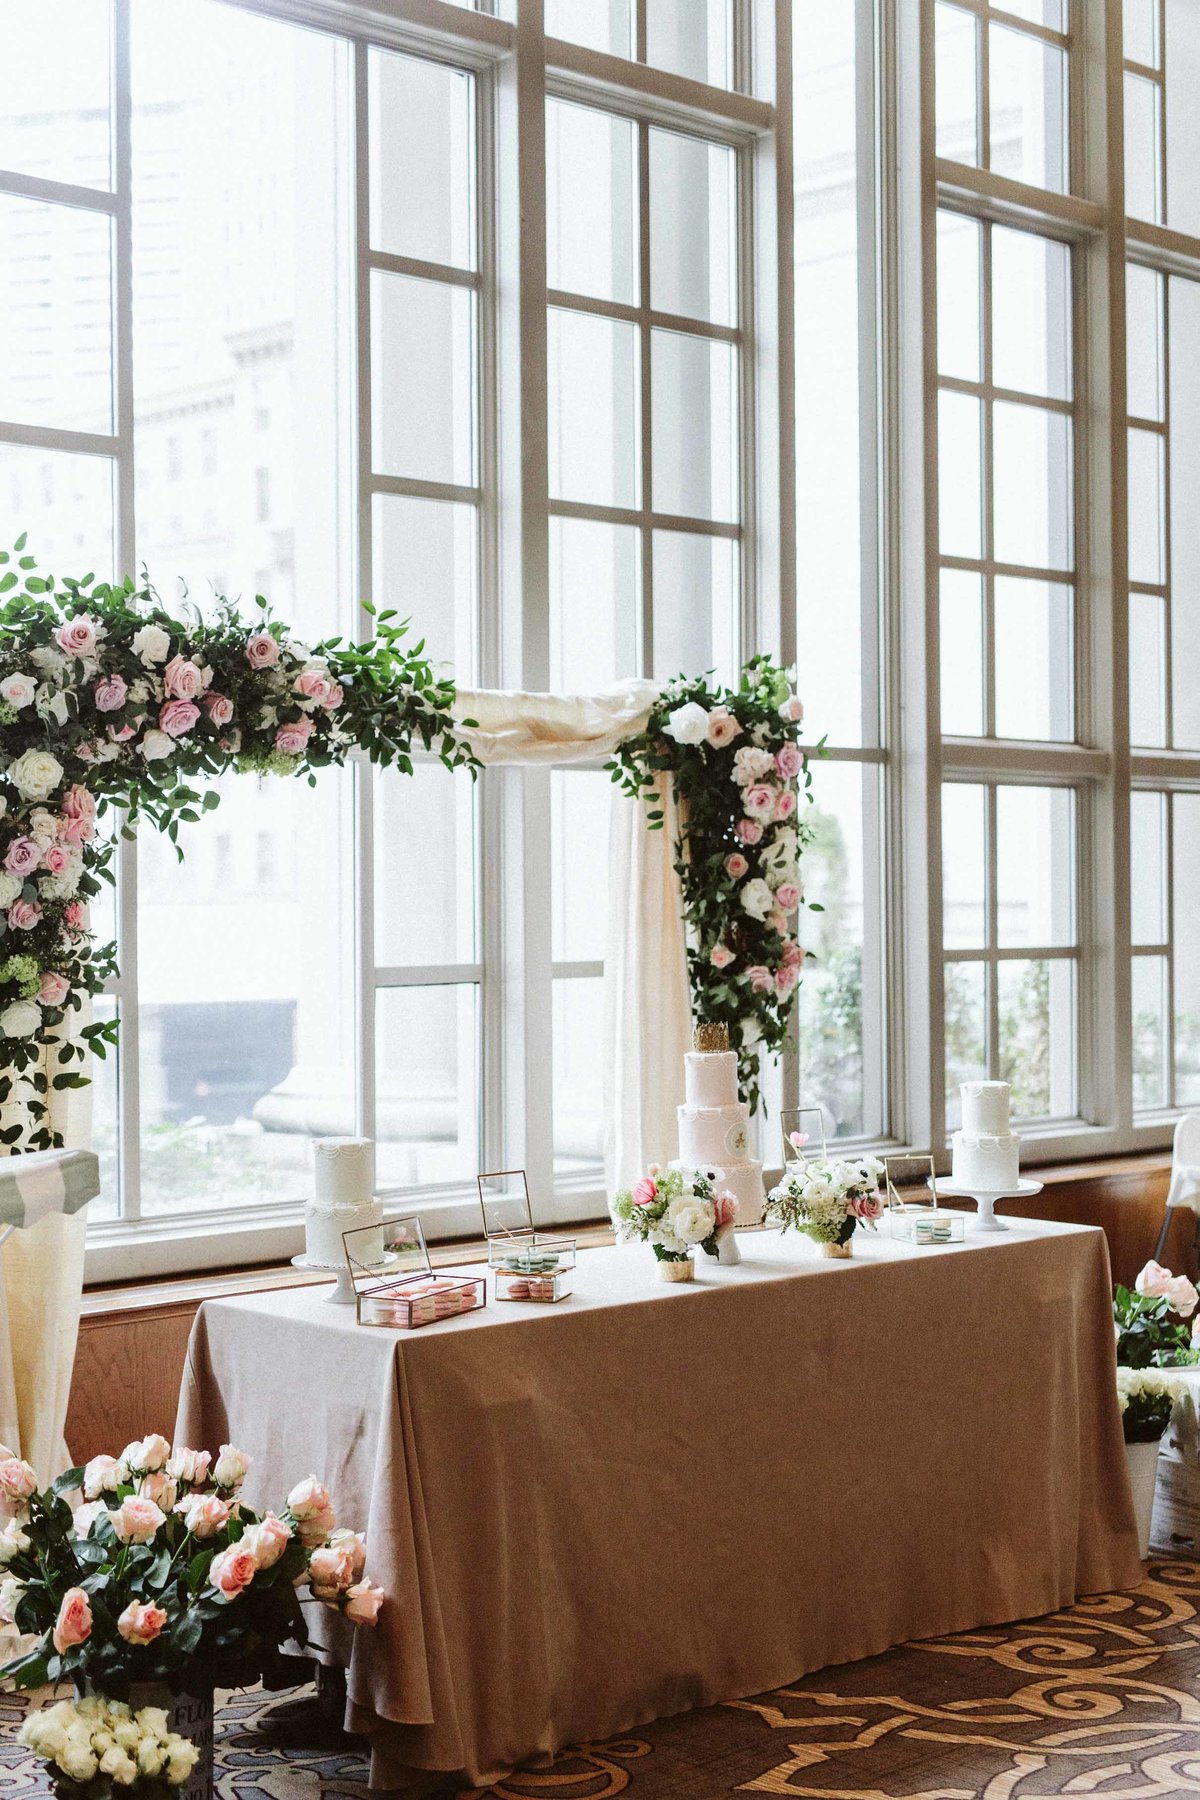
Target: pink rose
{"x": 74, "y": 914}
{"x": 231, "y": 744}
{"x": 183, "y": 679}
{"x": 57, "y": 857}
{"x": 645, "y": 1192}
{"x": 74, "y": 1623}
{"x": 760, "y": 978}
{"x": 78, "y": 803}
{"x": 311, "y": 1507}
{"x": 178, "y": 716}
{"x": 267, "y": 1540}
{"x": 758, "y": 801}
{"x": 293, "y": 738}
{"x": 749, "y": 831}
{"x": 22, "y": 856}
{"x": 232, "y": 1571}
{"x": 141, "y": 1623}
{"x": 78, "y": 636}
{"x": 188, "y": 1466}
{"x": 789, "y": 762}
{"x": 1153, "y": 1281}
{"x": 136, "y": 1520}
{"x": 109, "y": 693}
{"x": 76, "y": 831}
{"x": 23, "y": 915}
{"x": 204, "y": 1514}
{"x": 262, "y": 652}
{"x": 330, "y": 1571}
{"x": 720, "y": 956}
{"x": 797, "y": 1139}
{"x": 363, "y": 1603}
{"x": 218, "y": 707}
{"x": 793, "y": 709}
{"x": 794, "y": 953}
{"x": 314, "y": 684}
{"x": 120, "y": 734}
{"x": 725, "y": 1209}
{"x": 355, "y": 1546}
{"x": 54, "y": 988}
{"x": 1182, "y": 1297}
{"x": 870, "y": 1206}
{"x": 103, "y": 1475}
{"x": 785, "y": 803}
{"x": 788, "y": 896}
{"x": 334, "y": 697}
{"x": 736, "y": 866}
{"x": 722, "y": 727}
{"x": 777, "y": 920}
{"x": 159, "y": 1487}
{"x": 17, "y": 1480}
{"x": 786, "y": 979}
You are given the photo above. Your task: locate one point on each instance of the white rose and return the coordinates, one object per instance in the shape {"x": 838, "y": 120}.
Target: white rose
{"x": 52, "y": 706}
{"x": 757, "y": 898}
{"x": 18, "y": 690}
{"x": 182, "y": 1758}
{"x": 12, "y": 1541}
{"x": 10, "y": 887}
{"x": 692, "y": 1220}
{"x": 21, "y": 1019}
{"x": 50, "y": 661}
{"x": 153, "y": 1719}
{"x": 127, "y": 1734}
{"x": 86, "y": 1516}
{"x": 11, "y": 1590}
{"x": 114, "y": 1762}
{"x": 42, "y": 827}
{"x": 688, "y": 724}
{"x": 36, "y": 774}
{"x": 77, "y": 1760}
{"x": 156, "y": 745}
{"x": 149, "y": 1757}
{"x": 151, "y": 643}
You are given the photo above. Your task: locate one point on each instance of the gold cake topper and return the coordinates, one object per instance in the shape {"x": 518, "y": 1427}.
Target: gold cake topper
{"x": 710, "y": 1037}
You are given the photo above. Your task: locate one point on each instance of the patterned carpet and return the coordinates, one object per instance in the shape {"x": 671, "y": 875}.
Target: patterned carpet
{"x": 1103, "y": 1699}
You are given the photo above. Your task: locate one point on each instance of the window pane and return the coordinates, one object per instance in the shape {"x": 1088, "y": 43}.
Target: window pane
{"x": 105, "y": 1134}
{"x": 1036, "y": 1003}
{"x": 964, "y": 1013}
{"x": 1035, "y": 658}
{"x": 959, "y": 491}
{"x": 1141, "y": 32}
{"x": 1150, "y": 1044}
{"x": 1035, "y": 867}
{"x": 1031, "y": 452}
{"x": 54, "y": 121}
{"x": 962, "y": 652}
{"x": 1040, "y": 12}
{"x": 242, "y": 272}
{"x": 692, "y": 219}
{"x": 831, "y": 1031}
{"x": 245, "y": 962}
{"x": 426, "y": 1085}
{"x": 694, "y": 415}
{"x": 421, "y": 141}
{"x": 1031, "y": 313}
{"x": 55, "y": 315}
{"x": 591, "y": 202}
{"x": 959, "y": 317}
{"x": 690, "y": 37}
{"x": 1145, "y": 506}
{"x": 578, "y": 1074}
{"x": 424, "y": 562}
{"x": 593, "y": 399}
{"x": 1028, "y": 93}
{"x": 579, "y": 806}
{"x": 1147, "y": 670}
{"x": 1184, "y": 474}
{"x": 607, "y": 25}
{"x": 695, "y": 604}
{"x": 595, "y": 609}
{"x": 1185, "y": 846}
{"x": 65, "y": 503}
{"x": 1147, "y": 865}
{"x": 422, "y": 379}
{"x": 957, "y": 83}
{"x": 424, "y": 906}
{"x": 964, "y": 916}
{"x": 1183, "y": 119}
{"x": 1144, "y": 341}
{"x": 1143, "y": 179}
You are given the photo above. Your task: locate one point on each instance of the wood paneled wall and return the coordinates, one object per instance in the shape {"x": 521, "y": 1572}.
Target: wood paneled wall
{"x": 132, "y": 1342}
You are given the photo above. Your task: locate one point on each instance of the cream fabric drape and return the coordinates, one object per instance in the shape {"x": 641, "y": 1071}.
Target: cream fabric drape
{"x": 647, "y": 1008}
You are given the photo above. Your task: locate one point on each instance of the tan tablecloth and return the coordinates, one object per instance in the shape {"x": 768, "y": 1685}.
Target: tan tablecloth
{"x": 649, "y": 1498}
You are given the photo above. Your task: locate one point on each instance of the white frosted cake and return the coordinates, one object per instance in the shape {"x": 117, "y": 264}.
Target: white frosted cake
{"x": 342, "y": 1201}
{"x": 986, "y": 1150}
{"x": 714, "y": 1125}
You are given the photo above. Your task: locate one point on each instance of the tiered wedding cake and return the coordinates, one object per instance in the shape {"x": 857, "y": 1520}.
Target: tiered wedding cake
{"x": 342, "y": 1201}
{"x": 986, "y": 1151}
{"x": 714, "y": 1125}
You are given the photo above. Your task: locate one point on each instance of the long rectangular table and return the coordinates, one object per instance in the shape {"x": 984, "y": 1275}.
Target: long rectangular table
{"x": 651, "y": 1497}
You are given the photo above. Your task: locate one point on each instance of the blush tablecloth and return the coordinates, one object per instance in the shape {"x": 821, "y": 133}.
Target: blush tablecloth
{"x": 650, "y": 1497}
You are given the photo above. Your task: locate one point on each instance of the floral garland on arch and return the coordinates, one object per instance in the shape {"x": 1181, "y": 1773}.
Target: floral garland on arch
{"x": 107, "y": 699}
{"x": 735, "y": 760}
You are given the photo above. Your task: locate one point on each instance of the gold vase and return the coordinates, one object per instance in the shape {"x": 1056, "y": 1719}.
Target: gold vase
{"x": 681, "y": 1269}
{"x": 838, "y": 1252}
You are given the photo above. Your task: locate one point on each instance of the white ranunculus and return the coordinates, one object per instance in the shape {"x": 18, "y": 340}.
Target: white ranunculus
{"x": 10, "y": 887}
{"x": 156, "y": 745}
{"x": 36, "y": 774}
{"x": 21, "y": 1019}
{"x": 757, "y": 898}
{"x": 151, "y": 643}
{"x": 18, "y": 690}
{"x": 50, "y": 661}
{"x": 688, "y": 724}
{"x": 692, "y": 1220}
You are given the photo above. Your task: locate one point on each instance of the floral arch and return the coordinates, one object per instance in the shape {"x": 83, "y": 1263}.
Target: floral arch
{"x": 108, "y": 700}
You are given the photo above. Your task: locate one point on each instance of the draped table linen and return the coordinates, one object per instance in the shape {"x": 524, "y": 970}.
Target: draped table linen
{"x": 652, "y": 1497}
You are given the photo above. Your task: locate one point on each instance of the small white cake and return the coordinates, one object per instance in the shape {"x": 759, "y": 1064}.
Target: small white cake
{"x": 714, "y": 1125}
{"x": 342, "y": 1201}
{"x": 986, "y": 1151}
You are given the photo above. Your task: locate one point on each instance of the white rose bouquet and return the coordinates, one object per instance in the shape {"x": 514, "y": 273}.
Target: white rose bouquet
{"x": 1147, "y": 1399}
{"x": 95, "y": 1746}
{"x": 673, "y": 1210}
{"x": 828, "y": 1198}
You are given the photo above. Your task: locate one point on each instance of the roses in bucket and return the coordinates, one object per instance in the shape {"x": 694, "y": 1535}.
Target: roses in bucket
{"x": 95, "y": 1746}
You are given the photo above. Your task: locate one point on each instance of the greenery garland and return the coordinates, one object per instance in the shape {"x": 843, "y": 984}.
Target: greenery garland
{"x": 738, "y": 771}
{"x": 109, "y": 700}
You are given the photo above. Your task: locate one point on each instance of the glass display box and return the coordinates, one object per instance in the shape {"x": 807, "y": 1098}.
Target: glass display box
{"x": 402, "y": 1291}
{"x": 525, "y": 1264}
{"x": 918, "y": 1221}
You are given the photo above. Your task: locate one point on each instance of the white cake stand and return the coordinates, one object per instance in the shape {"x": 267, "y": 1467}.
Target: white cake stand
{"x": 986, "y": 1202}
{"x": 343, "y": 1292}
